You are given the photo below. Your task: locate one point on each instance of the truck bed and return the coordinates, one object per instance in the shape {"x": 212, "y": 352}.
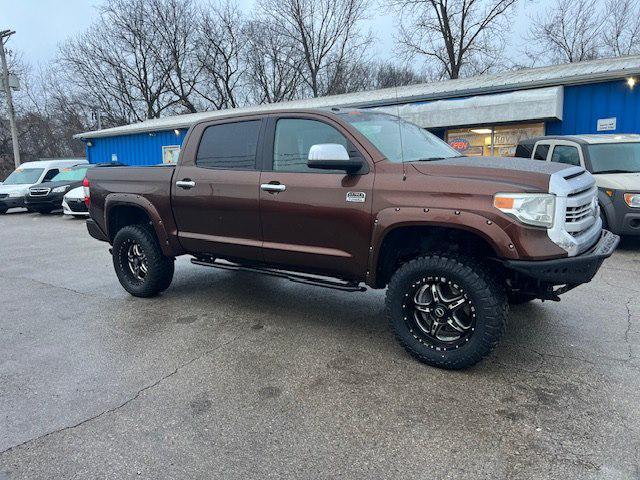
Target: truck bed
{"x": 152, "y": 183}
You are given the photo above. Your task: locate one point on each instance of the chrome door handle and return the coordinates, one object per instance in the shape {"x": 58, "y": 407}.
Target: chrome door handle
{"x": 186, "y": 184}
{"x": 273, "y": 187}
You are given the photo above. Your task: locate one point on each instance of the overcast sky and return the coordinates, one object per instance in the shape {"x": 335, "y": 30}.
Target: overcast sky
{"x": 42, "y": 24}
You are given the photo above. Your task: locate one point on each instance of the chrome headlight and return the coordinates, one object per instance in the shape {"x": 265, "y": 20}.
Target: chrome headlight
{"x": 632, "y": 199}
{"x": 17, "y": 194}
{"x": 60, "y": 189}
{"x": 530, "y": 208}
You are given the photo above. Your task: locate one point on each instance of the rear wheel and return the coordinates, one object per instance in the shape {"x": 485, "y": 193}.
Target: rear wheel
{"x": 141, "y": 267}
{"x": 447, "y": 311}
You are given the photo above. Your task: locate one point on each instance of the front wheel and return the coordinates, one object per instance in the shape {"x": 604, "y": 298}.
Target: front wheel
{"x": 141, "y": 267}
{"x": 446, "y": 311}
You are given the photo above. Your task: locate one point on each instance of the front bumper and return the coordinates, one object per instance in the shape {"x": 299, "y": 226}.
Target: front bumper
{"x": 569, "y": 270}
{"x": 53, "y": 201}
{"x": 75, "y": 207}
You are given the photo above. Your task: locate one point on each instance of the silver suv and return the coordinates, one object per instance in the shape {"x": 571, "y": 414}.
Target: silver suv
{"x": 614, "y": 161}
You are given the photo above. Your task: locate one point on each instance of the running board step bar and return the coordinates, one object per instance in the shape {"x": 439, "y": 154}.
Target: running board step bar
{"x": 292, "y": 276}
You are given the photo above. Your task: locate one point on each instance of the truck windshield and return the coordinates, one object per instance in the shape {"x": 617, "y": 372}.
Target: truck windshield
{"x": 397, "y": 139}
{"x": 24, "y": 176}
{"x": 615, "y": 157}
{"x": 71, "y": 174}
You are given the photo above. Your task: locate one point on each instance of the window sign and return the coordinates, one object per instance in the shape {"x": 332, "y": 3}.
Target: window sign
{"x": 170, "y": 154}
{"x": 607, "y": 124}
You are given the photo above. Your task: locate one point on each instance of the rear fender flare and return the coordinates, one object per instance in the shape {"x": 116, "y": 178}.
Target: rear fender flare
{"x": 129, "y": 199}
{"x": 389, "y": 219}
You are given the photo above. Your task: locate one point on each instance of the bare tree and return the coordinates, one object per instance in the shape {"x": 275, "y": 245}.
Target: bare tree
{"x": 459, "y": 37}
{"x": 570, "y": 32}
{"x": 177, "y": 51}
{"x": 47, "y": 118}
{"x": 221, "y": 53}
{"x": 326, "y": 34}
{"x": 621, "y": 31}
{"x": 272, "y": 61}
{"x": 114, "y": 62}
{"x": 389, "y": 75}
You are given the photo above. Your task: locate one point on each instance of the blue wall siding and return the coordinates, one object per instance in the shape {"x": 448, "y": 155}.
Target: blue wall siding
{"x": 137, "y": 149}
{"x": 585, "y": 104}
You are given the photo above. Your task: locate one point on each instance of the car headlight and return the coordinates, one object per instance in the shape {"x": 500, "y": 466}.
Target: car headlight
{"x": 60, "y": 189}
{"x": 531, "y": 208}
{"x": 16, "y": 194}
{"x": 632, "y": 199}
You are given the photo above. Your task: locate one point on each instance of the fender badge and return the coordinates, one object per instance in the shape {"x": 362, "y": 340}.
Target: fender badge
{"x": 358, "y": 197}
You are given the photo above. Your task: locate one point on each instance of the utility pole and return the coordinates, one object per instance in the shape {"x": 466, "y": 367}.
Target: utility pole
{"x": 7, "y": 89}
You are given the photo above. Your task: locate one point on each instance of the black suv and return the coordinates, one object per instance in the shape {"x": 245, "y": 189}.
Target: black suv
{"x": 47, "y": 197}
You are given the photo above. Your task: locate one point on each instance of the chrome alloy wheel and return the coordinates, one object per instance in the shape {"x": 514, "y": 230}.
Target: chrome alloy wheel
{"x": 439, "y": 313}
{"x": 137, "y": 261}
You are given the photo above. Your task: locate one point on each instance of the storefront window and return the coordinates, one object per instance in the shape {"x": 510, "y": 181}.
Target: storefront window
{"x": 499, "y": 141}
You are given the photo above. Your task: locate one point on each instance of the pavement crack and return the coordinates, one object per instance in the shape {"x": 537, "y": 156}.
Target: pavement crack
{"x": 126, "y": 402}
{"x": 628, "y": 330}
{"x": 47, "y": 284}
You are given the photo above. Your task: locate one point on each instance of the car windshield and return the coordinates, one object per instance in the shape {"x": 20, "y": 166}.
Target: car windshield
{"x": 397, "y": 139}
{"x": 71, "y": 174}
{"x": 24, "y": 176}
{"x": 615, "y": 157}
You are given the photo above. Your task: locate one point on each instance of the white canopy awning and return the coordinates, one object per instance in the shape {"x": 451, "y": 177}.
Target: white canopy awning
{"x": 524, "y": 105}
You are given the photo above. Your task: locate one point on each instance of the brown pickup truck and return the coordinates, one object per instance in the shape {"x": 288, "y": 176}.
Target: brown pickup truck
{"x": 341, "y": 198}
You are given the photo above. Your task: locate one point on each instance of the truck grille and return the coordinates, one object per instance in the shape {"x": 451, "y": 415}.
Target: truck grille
{"x": 39, "y": 192}
{"x": 577, "y": 225}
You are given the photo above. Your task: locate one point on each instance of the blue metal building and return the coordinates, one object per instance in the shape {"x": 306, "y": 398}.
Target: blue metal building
{"x": 484, "y": 115}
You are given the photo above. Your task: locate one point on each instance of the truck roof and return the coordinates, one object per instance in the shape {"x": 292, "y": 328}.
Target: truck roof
{"x": 587, "y": 139}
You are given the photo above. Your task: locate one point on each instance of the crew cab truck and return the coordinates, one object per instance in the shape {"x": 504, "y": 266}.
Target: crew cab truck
{"x": 350, "y": 198}
{"x": 613, "y": 160}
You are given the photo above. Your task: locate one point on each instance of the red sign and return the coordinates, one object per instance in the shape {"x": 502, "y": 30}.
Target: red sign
{"x": 460, "y": 144}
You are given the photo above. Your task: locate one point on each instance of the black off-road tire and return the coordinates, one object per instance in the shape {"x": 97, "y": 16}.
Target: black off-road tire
{"x": 160, "y": 268}
{"x": 517, "y": 298}
{"x": 3, "y": 210}
{"x": 481, "y": 286}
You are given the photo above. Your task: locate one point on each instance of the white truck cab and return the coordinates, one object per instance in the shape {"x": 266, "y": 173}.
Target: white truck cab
{"x": 614, "y": 161}
{"x": 16, "y": 186}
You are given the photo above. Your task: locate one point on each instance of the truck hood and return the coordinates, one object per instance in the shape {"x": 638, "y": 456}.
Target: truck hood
{"x": 519, "y": 172}
{"x": 618, "y": 181}
{"x": 15, "y": 189}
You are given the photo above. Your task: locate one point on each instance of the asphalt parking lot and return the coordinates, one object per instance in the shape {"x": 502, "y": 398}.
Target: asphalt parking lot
{"x": 233, "y": 375}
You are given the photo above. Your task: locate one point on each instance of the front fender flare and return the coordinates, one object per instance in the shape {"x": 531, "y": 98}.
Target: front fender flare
{"x": 389, "y": 219}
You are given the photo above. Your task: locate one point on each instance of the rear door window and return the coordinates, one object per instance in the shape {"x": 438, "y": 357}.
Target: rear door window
{"x": 566, "y": 154}
{"x": 542, "y": 150}
{"x": 229, "y": 146}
